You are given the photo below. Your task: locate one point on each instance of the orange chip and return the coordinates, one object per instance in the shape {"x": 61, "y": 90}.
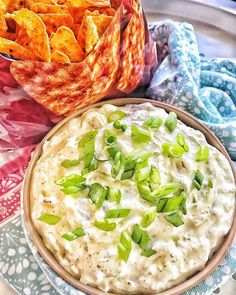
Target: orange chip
{"x": 3, "y": 5}
{"x": 108, "y": 11}
{"x": 88, "y": 3}
{"x": 116, "y": 3}
{"x": 3, "y": 25}
{"x": 35, "y": 30}
{"x": 31, "y": 2}
{"x": 102, "y": 22}
{"x": 61, "y": 2}
{"x": 16, "y": 5}
{"x": 91, "y": 34}
{"x": 64, "y": 40}
{"x": 53, "y": 21}
{"x": 60, "y": 57}
{"x": 48, "y": 8}
{"x": 13, "y": 49}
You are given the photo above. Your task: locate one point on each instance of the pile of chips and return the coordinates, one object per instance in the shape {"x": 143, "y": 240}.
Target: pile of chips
{"x": 61, "y": 31}
{"x": 76, "y": 52}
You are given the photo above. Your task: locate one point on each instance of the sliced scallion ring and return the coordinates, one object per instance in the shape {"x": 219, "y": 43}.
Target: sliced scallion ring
{"x": 171, "y": 204}
{"x": 202, "y": 154}
{"x": 77, "y": 233}
{"x": 70, "y": 180}
{"x": 153, "y": 123}
{"x": 116, "y": 115}
{"x": 182, "y": 142}
{"x": 140, "y": 237}
{"x": 148, "y": 218}
{"x": 166, "y": 190}
{"x": 49, "y": 219}
{"x": 70, "y": 163}
{"x": 118, "y": 125}
{"x": 172, "y": 150}
{"x": 142, "y": 170}
{"x": 117, "y": 213}
{"x": 97, "y": 194}
{"x": 198, "y": 180}
{"x": 148, "y": 252}
{"x": 140, "y": 135}
{"x": 105, "y": 225}
{"x": 174, "y": 219}
{"x": 210, "y": 183}
{"x": 124, "y": 247}
{"x": 114, "y": 195}
{"x": 171, "y": 121}
{"x": 87, "y": 137}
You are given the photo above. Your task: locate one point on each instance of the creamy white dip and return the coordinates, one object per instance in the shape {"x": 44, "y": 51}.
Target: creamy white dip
{"x": 93, "y": 258}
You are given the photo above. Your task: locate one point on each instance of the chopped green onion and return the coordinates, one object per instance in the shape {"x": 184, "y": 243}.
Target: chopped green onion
{"x": 77, "y": 233}
{"x": 202, "y": 154}
{"x": 109, "y": 137}
{"x": 182, "y": 142}
{"x": 183, "y": 207}
{"x": 89, "y": 148}
{"x": 116, "y": 167}
{"x": 112, "y": 151}
{"x": 210, "y": 183}
{"x": 70, "y": 180}
{"x": 198, "y": 180}
{"x": 155, "y": 177}
{"x": 87, "y": 137}
{"x": 97, "y": 194}
{"x": 127, "y": 175}
{"x": 140, "y": 237}
{"x": 170, "y": 204}
{"x": 171, "y": 121}
{"x": 69, "y": 190}
{"x": 148, "y": 252}
{"x": 100, "y": 160}
{"x": 93, "y": 166}
{"x": 166, "y": 190}
{"x": 70, "y": 163}
{"x": 140, "y": 135}
{"x": 142, "y": 170}
{"x": 118, "y": 213}
{"x": 139, "y": 155}
{"x": 124, "y": 246}
{"x": 49, "y": 219}
{"x": 145, "y": 191}
{"x": 116, "y": 115}
{"x": 118, "y": 125}
{"x": 153, "y": 123}
{"x": 174, "y": 219}
{"x": 172, "y": 150}
{"x": 148, "y": 218}
{"x": 105, "y": 225}
{"x": 114, "y": 195}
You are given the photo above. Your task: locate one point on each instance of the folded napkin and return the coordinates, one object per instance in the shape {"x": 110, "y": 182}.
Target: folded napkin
{"x": 205, "y": 88}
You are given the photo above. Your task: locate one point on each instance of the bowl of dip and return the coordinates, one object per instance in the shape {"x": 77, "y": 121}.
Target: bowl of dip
{"x": 131, "y": 196}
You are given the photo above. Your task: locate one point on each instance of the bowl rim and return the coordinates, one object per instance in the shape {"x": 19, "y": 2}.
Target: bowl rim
{"x": 186, "y": 118}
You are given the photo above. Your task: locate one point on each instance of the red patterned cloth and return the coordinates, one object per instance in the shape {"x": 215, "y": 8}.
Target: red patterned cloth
{"x": 23, "y": 123}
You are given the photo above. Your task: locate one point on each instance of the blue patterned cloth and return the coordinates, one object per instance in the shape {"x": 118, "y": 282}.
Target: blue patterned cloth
{"x": 205, "y": 88}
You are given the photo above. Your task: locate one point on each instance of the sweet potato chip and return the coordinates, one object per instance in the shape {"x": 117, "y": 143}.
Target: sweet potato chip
{"x": 48, "y": 8}
{"x": 91, "y": 34}
{"x": 35, "y": 30}
{"x": 89, "y": 3}
{"x": 13, "y": 49}
{"x": 53, "y": 21}
{"x": 133, "y": 55}
{"x": 60, "y": 57}
{"x": 64, "y": 40}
